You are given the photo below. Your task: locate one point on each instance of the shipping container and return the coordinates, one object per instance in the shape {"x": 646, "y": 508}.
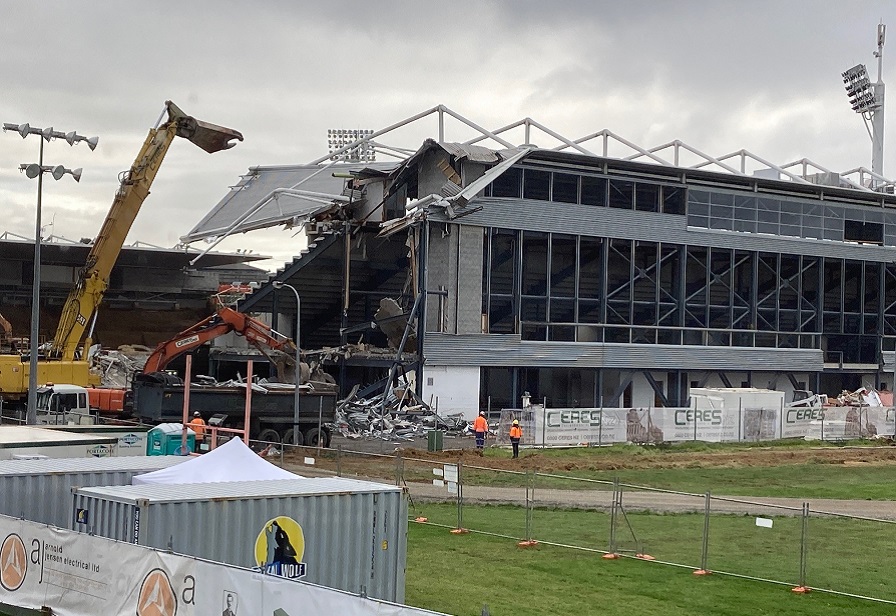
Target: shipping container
{"x": 18, "y": 441}
{"x": 40, "y": 490}
{"x": 337, "y": 532}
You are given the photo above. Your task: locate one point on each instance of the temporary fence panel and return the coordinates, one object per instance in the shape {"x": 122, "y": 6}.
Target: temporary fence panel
{"x": 41, "y": 490}
{"x": 342, "y": 533}
{"x": 595, "y": 498}
{"x": 766, "y": 544}
{"x": 850, "y": 555}
{"x": 504, "y": 494}
{"x": 639, "y": 532}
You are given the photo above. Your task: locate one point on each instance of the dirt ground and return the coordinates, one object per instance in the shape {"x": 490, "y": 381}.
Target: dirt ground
{"x": 462, "y": 449}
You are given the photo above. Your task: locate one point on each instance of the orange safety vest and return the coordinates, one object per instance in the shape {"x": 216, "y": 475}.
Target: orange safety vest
{"x": 480, "y": 424}
{"x": 516, "y": 432}
{"x": 198, "y": 426}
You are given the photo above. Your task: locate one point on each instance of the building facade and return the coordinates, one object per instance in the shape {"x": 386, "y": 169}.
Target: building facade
{"x": 596, "y": 282}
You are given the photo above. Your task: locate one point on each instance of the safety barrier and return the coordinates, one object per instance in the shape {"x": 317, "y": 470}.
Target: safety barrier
{"x": 786, "y": 542}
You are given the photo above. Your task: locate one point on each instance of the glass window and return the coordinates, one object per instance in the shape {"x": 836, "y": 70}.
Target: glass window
{"x": 622, "y": 193}
{"x": 508, "y": 183}
{"x": 536, "y": 184}
{"x": 647, "y": 197}
{"x": 501, "y": 317}
{"x": 563, "y": 265}
{"x": 535, "y": 263}
{"x": 719, "y": 198}
{"x": 566, "y": 188}
{"x": 698, "y": 196}
{"x": 673, "y": 200}
{"x": 721, "y": 211}
{"x": 698, "y": 221}
{"x": 590, "y": 252}
{"x": 594, "y": 190}
{"x": 503, "y": 255}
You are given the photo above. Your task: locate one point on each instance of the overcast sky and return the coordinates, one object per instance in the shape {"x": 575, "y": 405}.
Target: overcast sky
{"x": 720, "y": 76}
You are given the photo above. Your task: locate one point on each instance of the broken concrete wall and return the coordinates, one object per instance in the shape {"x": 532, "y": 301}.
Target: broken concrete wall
{"x": 454, "y": 264}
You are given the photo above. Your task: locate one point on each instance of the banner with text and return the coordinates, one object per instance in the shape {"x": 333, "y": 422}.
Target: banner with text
{"x": 80, "y": 575}
{"x": 566, "y": 427}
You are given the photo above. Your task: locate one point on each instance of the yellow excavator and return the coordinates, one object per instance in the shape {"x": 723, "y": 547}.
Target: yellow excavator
{"x": 66, "y": 361}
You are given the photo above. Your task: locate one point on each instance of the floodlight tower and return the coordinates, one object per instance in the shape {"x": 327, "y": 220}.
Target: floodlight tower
{"x": 867, "y": 99}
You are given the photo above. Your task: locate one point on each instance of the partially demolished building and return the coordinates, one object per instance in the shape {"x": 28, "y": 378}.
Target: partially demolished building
{"x": 584, "y": 279}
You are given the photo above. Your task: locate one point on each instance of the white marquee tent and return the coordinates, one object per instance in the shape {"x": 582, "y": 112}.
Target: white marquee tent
{"x": 232, "y": 461}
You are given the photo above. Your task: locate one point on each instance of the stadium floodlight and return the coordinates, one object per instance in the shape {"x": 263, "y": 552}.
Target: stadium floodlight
{"x": 351, "y": 145}
{"x": 858, "y": 89}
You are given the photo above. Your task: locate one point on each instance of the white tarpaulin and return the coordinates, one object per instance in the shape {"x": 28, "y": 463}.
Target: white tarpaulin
{"x": 76, "y": 574}
{"x": 232, "y": 461}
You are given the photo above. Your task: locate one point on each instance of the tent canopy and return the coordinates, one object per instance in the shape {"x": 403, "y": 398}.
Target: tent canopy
{"x": 232, "y": 461}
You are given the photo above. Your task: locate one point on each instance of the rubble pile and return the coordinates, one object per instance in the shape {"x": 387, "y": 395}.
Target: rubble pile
{"x": 403, "y": 417}
{"x": 116, "y": 368}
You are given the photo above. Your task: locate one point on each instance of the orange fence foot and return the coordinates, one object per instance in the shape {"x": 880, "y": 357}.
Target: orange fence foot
{"x": 527, "y": 544}
{"x": 459, "y": 531}
{"x": 645, "y": 557}
{"x": 702, "y": 572}
{"x": 801, "y": 589}
{"x": 610, "y": 556}
{"x": 421, "y": 519}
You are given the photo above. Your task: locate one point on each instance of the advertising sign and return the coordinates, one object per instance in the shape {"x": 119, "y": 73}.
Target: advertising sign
{"x": 76, "y": 574}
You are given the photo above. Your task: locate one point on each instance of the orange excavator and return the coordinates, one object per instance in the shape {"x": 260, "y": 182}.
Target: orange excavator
{"x": 224, "y": 321}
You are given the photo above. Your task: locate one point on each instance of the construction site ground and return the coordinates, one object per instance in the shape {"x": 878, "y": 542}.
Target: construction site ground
{"x": 462, "y": 449}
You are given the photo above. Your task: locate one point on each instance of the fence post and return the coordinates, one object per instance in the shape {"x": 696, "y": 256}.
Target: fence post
{"x": 600, "y": 428}
{"x": 611, "y": 549}
{"x": 339, "y": 460}
{"x": 804, "y": 551}
{"x": 399, "y": 468}
{"x": 460, "y": 501}
{"x": 704, "y": 556}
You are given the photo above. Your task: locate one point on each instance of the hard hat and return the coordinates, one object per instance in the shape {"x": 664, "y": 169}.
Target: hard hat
{"x": 516, "y": 422}
{"x": 196, "y": 413}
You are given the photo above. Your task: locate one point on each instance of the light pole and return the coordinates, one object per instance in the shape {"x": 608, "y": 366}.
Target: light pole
{"x": 32, "y": 171}
{"x": 279, "y": 284}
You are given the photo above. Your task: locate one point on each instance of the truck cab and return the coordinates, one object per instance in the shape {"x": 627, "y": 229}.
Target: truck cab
{"x": 63, "y": 404}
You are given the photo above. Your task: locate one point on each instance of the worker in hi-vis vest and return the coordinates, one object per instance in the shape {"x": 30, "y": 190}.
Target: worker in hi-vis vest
{"x": 480, "y": 427}
{"x": 516, "y": 433}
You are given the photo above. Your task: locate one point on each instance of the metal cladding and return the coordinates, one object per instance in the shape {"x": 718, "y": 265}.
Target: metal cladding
{"x": 40, "y": 490}
{"x": 341, "y": 533}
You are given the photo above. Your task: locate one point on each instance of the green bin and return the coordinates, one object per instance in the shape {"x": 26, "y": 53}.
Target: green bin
{"x": 165, "y": 440}
{"x": 434, "y": 440}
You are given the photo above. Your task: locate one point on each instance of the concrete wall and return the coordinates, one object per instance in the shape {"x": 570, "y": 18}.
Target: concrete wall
{"x": 457, "y": 389}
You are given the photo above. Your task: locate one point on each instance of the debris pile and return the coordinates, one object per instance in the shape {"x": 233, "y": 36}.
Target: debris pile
{"x": 117, "y": 368}
{"x": 398, "y": 415}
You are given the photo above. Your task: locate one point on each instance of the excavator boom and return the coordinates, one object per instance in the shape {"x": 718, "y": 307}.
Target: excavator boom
{"x": 224, "y": 321}
{"x": 93, "y": 279}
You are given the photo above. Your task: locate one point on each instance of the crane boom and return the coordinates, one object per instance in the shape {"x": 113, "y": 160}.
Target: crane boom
{"x": 93, "y": 279}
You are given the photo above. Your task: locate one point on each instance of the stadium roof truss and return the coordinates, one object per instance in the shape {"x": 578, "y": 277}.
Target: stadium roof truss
{"x": 291, "y": 195}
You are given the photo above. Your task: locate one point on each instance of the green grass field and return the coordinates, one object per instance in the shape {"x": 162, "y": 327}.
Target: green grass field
{"x": 458, "y": 574}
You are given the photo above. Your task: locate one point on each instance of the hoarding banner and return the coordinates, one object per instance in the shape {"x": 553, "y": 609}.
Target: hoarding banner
{"x": 80, "y": 575}
{"x": 565, "y": 427}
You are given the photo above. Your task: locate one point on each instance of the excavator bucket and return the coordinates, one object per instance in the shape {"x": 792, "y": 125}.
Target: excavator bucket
{"x": 210, "y": 137}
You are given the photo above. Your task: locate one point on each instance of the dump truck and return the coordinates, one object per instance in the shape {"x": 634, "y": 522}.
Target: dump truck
{"x": 159, "y": 398}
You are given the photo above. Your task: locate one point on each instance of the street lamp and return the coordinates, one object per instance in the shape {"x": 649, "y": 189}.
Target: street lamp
{"x": 37, "y": 171}
{"x": 279, "y": 284}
